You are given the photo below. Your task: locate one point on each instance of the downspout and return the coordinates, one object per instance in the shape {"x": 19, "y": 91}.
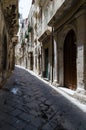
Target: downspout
{"x": 52, "y": 54}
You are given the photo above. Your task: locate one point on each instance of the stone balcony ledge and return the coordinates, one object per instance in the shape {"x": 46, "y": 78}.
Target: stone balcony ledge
{"x": 46, "y": 33}
{"x": 66, "y": 7}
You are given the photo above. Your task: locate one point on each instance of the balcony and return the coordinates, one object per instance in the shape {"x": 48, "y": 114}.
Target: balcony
{"x": 43, "y": 25}
{"x": 37, "y": 12}
{"x": 43, "y": 30}
{"x": 40, "y": 2}
{"x": 30, "y": 48}
{"x": 60, "y": 9}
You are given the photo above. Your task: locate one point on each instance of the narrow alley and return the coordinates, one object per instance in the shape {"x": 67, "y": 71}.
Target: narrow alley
{"x": 42, "y": 64}
{"x": 27, "y": 103}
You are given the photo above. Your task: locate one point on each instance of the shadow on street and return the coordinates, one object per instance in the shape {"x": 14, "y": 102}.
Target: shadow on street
{"x": 27, "y": 103}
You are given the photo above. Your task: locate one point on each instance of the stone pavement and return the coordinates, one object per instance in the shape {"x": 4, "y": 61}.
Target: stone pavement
{"x": 27, "y": 103}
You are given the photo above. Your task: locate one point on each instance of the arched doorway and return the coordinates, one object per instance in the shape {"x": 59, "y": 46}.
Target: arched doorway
{"x": 70, "y": 52}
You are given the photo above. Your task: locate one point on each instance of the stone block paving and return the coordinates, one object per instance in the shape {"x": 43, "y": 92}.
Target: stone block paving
{"x": 27, "y": 103}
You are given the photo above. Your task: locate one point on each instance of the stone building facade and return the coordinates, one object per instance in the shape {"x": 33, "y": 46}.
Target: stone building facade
{"x": 22, "y": 46}
{"x": 61, "y": 30}
{"x": 59, "y": 42}
{"x": 69, "y": 29}
{"x": 8, "y": 37}
{"x": 31, "y": 39}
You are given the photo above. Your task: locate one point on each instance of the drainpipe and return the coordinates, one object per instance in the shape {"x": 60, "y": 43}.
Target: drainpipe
{"x": 52, "y": 54}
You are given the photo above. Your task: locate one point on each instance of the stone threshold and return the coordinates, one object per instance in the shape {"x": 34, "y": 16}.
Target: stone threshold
{"x": 75, "y": 94}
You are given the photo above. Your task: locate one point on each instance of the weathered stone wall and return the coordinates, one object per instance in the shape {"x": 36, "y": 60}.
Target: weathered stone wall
{"x": 4, "y": 51}
{"x": 7, "y": 44}
{"x": 77, "y": 23}
{"x": 52, "y": 22}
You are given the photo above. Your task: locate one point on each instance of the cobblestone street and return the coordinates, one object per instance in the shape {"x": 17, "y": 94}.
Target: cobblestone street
{"x": 27, "y": 103}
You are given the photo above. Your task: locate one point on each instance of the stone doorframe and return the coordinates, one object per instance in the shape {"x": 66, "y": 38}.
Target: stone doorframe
{"x": 61, "y": 38}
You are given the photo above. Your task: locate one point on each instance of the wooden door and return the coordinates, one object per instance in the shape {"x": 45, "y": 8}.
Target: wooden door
{"x": 70, "y": 77}
{"x": 46, "y": 63}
